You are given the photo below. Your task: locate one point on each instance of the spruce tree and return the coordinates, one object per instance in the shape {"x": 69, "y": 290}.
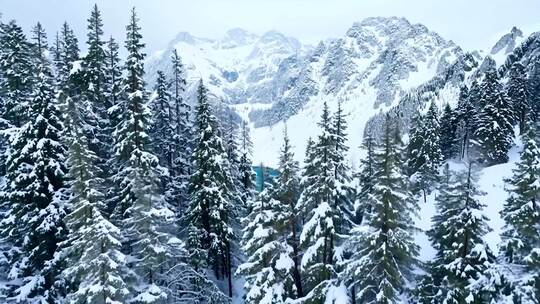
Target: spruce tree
{"x": 519, "y": 94}
{"x": 146, "y": 218}
{"x": 425, "y": 153}
{"x": 183, "y": 136}
{"x": 343, "y": 196}
{"x": 459, "y": 226}
{"x": 100, "y": 131}
{"x": 287, "y": 191}
{"x": 269, "y": 266}
{"x": 161, "y": 127}
{"x": 96, "y": 268}
{"x": 384, "y": 254}
{"x": 16, "y": 69}
{"x": 319, "y": 234}
{"x": 365, "y": 179}
{"x": 494, "y": 133}
{"x": 466, "y": 122}
{"x": 448, "y": 130}
{"x": 520, "y": 247}
{"x": 246, "y": 186}
{"x": 35, "y": 180}
{"x": 211, "y": 210}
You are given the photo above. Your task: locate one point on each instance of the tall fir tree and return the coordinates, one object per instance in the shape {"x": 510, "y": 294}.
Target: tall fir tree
{"x": 457, "y": 232}
{"x": 466, "y": 122}
{"x": 211, "y": 210}
{"x": 384, "y": 254}
{"x": 183, "y": 136}
{"x": 162, "y": 127}
{"x": 519, "y": 95}
{"x": 424, "y": 152}
{"x": 494, "y": 133}
{"x": 448, "y": 130}
{"x": 319, "y": 236}
{"x": 365, "y": 180}
{"x": 246, "y": 175}
{"x": 94, "y": 69}
{"x": 96, "y": 270}
{"x": 36, "y": 177}
{"x": 287, "y": 192}
{"x": 16, "y": 69}
{"x": 269, "y": 266}
{"x": 520, "y": 247}
{"x": 146, "y": 218}
{"x": 344, "y": 193}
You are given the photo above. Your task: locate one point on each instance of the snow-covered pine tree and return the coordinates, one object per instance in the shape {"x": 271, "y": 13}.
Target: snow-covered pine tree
{"x": 211, "y": 210}
{"x": 268, "y": 269}
{"x": 93, "y": 65}
{"x": 287, "y": 191}
{"x": 145, "y": 216}
{"x": 425, "y": 156}
{"x": 520, "y": 247}
{"x": 230, "y": 134}
{"x": 344, "y": 193}
{"x": 457, "y": 235}
{"x": 113, "y": 81}
{"x": 534, "y": 85}
{"x": 519, "y": 94}
{"x": 16, "y": 69}
{"x": 365, "y": 180}
{"x": 161, "y": 129}
{"x": 466, "y": 122}
{"x": 114, "y": 94}
{"x": 494, "y": 133}
{"x": 319, "y": 237}
{"x": 383, "y": 250}
{"x": 183, "y": 137}
{"x": 96, "y": 270}
{"x": 448, "y": 131}
{"x": 68, "y": 53}
{"x": 35, "y": 180}
{"x": 246, "y": 186}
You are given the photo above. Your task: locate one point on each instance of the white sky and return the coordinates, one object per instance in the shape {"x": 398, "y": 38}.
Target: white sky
{"x": 473, "y": 24}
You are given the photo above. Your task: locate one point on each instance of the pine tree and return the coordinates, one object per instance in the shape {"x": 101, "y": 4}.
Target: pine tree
{"x": 466, "y": 120}
{"x": 211, "y": 209}
{"x": 246, "y": 186}
{"x": 287, "y": 191}
{"x": 425, "y": 153}
{"x": 162, "y": 128}
{"x": 16, "y": 69}
{"x": 343, "y": 199}
{"x": 183, "y": 136}
{"x": 519, "y": 94}
{"x": 320, "y": 230}
{"x": 68, "y": 54}
{"x": 494, "y": 131}
{"x": 94, "y": 68}
{"x": 384, "y": 254}
{"x": 96, "y": 268}
{"x": 365, "y": 179}
{"x": 520, "y": 247}
{"x": 449, "y": 138}
{"x": 113, "y": 81}
{"x": 269, "y": 266}
{"x": 146, "y": 217}
{"x": 35, "y": 175}
{"x": 457, "y": 235}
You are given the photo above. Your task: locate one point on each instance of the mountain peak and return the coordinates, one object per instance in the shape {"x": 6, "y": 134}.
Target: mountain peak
{"x": 239, "y": 36}
{"x": 507, "y": 42}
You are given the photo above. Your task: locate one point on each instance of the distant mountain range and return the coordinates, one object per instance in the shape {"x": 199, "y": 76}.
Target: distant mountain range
{"x": 381, "y": 64}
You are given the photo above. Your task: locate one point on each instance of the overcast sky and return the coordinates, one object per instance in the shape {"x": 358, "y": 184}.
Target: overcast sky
{"x": 472, "y": 24}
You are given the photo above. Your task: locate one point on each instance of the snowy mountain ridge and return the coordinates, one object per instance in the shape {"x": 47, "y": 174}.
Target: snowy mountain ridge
{"x": 380, "y": 64}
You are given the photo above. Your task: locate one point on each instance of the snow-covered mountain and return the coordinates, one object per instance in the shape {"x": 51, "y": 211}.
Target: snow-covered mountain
{"x": 380, "y": 64}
